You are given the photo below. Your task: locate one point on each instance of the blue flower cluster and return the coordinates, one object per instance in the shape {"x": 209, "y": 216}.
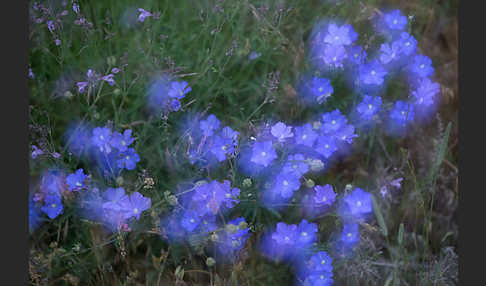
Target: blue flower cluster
{"x": 317, "y": 270}
{"x": 199, "y": 208}
{"x": 355, "y": 207}
{"x": 232, "y": 238}
{"x": 315, "y": 89}
{"x": 303, "y": 149}
{"x": 114, "y": 207}
{"x": 92, "y": 80}
{"x": 289, "y": 243}
{"x": 211, "y": 143}
{"x": 108, "y": 150}
{"x": 164, "y": 94}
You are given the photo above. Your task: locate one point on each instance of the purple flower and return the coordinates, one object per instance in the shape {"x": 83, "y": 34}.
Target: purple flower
{"x": 285, "y": 235}
{"x": 254, "y": 55}
{"x": 114, "y": 195}
{"x": 81, "y": 86}
{"x": 57, "y": 42}
{"x": 306, "y": 233}
{"x": 286, "y": 184}
{"x": 369, "y": 106}
{"x": 129, "y": 159}
{"x": 408, "y": 44}
{"x": 281, "y": 131}
{"x": 179, "y": 89}
{"x": 31, "y": 74}
{"x": 190, "y": 220}
{"x": 324, "y": 195}
{"x": 321, "y": 88}
{"x": 134, "y": 205}
{"x": 143, "y": 14}
{"x": 339, "y": 36}
{"x": 326, "y": 146}
{"x": 426, "y": 92}
{"x": 390, "y": 53}
{"x": 221, "y": 147}
{"x": 115, "y": 70}
{"x": 109, "y": 79}
{"x": 52, "y": 206}
{"x": 334, "y": 55}
{"x": 402, "y": 113}
{"x": 101, "y": 138}
{"x": 75, "y": 180}
{"x": 75, "y": 8}
{"x": 333, "y": 121}
{"x": 305, "y": 135}
{"x": 50, "y": 26}
{"x": 395, "y": 20}
{"x": 422, "y": 66}
{"x": 350, "y": 234}
{"x": 372, "y": 73}
{"x": 121, "y": 142}
{"x": 359, "y": 203}
{"x": 296, "y": 164}
{"x": 209, "y": 125}
{"x": 36, "y": 152}
{"x": 263, "y": 153}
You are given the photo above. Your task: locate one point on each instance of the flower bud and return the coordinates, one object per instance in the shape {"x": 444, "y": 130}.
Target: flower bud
{"x": 247, "y": 183}
{"x": 210, "y": 262}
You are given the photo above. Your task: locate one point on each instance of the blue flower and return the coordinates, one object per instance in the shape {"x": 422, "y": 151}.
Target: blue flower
{"x": 306, "y": 234}
{"x": 372, "y": 73}
{"x": 121, "y": 142}
{"x": 175, "y": 105}
{"x": 369, "y": 106}
{"x": 402, "y": 113}
{"x": 190, "y": 220}
{"x": 320, "y": 279}
{"x": 408, "y": 44}
{"x": 333, "y": 121}
{"x": 134, "y": 205}
{"x": 425, "y": 93}
{"x": 321, "y": 262}
{"x": 101, "y": 139}
{"x": 390, "y": 53}
{"x": 321, "y": 88}
{"x": 52, "y": 206}
{"x": 326, "y": 146}
{"x": 334, "y": 55}
{"x": 324, "y": 195}
{"x": 263, "y": 153}
{"x": 227, "y": 132}
{"x": 296, "y": 165}
{"x": 359, "y": 203}
{"x": 305, "y": 135}
{"x": 235, "y": 235}
{"x": 209, "y": 125}
{"x": 286, "y": 184}
{"x": 285, "y": 235}
{"x": 350, "y": 234}
{"x": 346, "y": 134}
{"x": 222, "y": 146}
{"x": 179, "y": 89}
{"x": 75, "y": 180}
{"x": 357, "y": 55}
{"x": 281, "y": 131}
{"x": 395, "y": 20}
{"x": 422, "y": 66}
{"x": 129, "y": 159}
{"x": 340, "y": 36}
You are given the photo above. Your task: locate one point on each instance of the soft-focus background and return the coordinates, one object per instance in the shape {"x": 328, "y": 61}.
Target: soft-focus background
{"x": 242, "y": 60}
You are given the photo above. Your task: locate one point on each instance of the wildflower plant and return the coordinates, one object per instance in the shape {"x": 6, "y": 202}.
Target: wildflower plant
{"x": 181, "y": 149}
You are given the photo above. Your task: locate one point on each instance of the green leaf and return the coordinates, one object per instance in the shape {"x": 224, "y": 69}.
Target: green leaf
{"x": 379, "y": 216}
{"x": 400, "y": 234}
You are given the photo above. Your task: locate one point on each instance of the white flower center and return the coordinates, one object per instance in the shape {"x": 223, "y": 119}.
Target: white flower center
{"x": 287, "y": 238}
{"x": 223, "y": 148}
{"x": 403, "y": 112}
{"x": 395, "y": 21}
{"x": 228, "y": 195}
{"x": 285, "y": 183}
{"x": 327, "y": 146}
{"x": 324, "y": 199}
{"x": 192, "y": 220}
{"x": 322, "y": 277}
{"x": 323, "y": 262}
{"x": 333, "y": 122}
{"x": 334, "y": 59}
{"x": 124, "y": 143}
{"x": 102, "y": 137}
{"x": 54, "y": 205}
{"x": 422, "y": 66}
{"x": 127, "y": 157}
{"x": 304, "y": 136}
{"x": 407, "y": 44}
{"x": 348, "y": 235}
{"x": 264, "y": 153}
{"x": 370, "y": 106}
{"x": 358, "y": 203}
{"x": 135, "y": 211}
{"x": 78, "y": 184}
{"x": 336, "y": 38}
{"x": 373, "y": 72}
{"x": 304, "y": 233}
